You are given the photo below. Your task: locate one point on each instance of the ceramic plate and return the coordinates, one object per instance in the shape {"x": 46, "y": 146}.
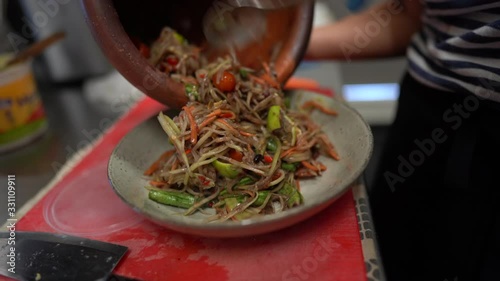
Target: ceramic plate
{"x": 348, "y": 131}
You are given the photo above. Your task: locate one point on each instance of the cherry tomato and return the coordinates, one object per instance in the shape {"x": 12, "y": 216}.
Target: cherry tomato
{"x": 226, "y": 83}
{"x": 236, "y": 155}
{"x": 267, "y": 159}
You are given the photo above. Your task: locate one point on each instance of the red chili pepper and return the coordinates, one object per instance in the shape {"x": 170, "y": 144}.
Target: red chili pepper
{"x": 204, "y": 180}
{"x": 276, "y": 176}
{"x": 236, "y": 155}
{"x": 227, "y": 115}
{"x": 267, "y": 159}
{"x": 173, "y": 61}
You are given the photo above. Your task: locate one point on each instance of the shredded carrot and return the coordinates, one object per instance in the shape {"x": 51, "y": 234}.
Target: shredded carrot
{"x": 266, "y": 67}
{"x": 206, "y": 122}
{"x": 227, "y": 114}
{"x": 298, "y": 185}
{"x": 330, "y": 149}
{"x": 287, "y": 152}
{"x": 270, "y": 80}
{"x": 256, "y": 79}
{"x": 214, "y": 113}
{"x": 231, "y": 128}
{"x": 157, "y": 163}
{"x": 243, "y": 133}
{"x": 309, "y": 166}
{"x": 157, "y": 183}
{"x": 314, "y": 104}
{"x": 295, "y": 83}
{"x": 222, "y": 113}
{"x": 322, "y": 167}
{"x": 192, "y": 122}
{"x": 333, "y": 153}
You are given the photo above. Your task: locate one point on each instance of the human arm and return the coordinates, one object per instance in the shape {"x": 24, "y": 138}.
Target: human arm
{"x": 384, "y": 30}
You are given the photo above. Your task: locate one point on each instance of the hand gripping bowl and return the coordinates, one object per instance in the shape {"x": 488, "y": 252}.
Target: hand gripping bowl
{"x": 114, "y": 22}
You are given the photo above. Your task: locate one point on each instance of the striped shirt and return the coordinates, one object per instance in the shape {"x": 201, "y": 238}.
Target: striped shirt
{"x": 458, "y": 48}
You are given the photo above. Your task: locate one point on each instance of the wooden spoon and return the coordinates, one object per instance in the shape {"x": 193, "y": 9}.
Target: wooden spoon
{"x": 36, "y": 48}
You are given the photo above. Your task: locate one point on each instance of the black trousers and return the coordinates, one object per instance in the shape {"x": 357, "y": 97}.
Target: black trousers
{"x": 435, "y": 202}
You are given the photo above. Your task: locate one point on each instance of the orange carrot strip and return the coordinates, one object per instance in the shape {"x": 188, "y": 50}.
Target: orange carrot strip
{"x": 231, "y": 128}
{"x": 298, "y": 184}
{"x": 333, "y": 153}
{"x": 266, "y": 67}
{"x": 192, "y": 122}
{"x": 330, "y": 149}
{"x": 322, "y": 167}
{"x": 270, "y": 80}
{"x": 206, "y": 122}
{"x": 243, "y": 133}
{"x": 301, "y": 83}
{"x": 320, "y": 107}
{"x": 156, "y": 164}
{"x": 256, "y": 79}
{"x": 287, "y": 152}
{"x": 309, "y": 166}
{"x": 157, "y": 183}
{"x": 214, "y": 113}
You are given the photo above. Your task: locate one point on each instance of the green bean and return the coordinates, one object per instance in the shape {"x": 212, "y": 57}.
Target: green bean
{"x": 176, "y": 199}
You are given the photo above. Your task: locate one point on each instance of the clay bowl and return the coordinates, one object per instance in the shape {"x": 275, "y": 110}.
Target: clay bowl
{"x": 114, "y": 23}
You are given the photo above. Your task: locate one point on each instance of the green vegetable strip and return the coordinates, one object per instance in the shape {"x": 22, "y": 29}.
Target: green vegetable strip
{"x": 246, "y": 181}
{"x": 293, "y": 195}
{"x": 289, "y": 167}
{"x": 171, "y": 123}
{"x": 232, "y": 203}
{"x": 170, "y": 129}
{"x": 273, "y": 118}
{"x": 276, "y": 157}
{"x": 238, "y": 210}
{"x": 176, "y": 199}
{"x": 261, "y": 198}
{"x": 226, "y": 169}
{"x": 243, "y": 73}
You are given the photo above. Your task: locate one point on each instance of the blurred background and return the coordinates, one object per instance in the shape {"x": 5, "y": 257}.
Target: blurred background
{"x": 83, "y": 95}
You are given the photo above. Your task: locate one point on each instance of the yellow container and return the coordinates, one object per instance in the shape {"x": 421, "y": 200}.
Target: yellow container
{"x": 22, "y": 117}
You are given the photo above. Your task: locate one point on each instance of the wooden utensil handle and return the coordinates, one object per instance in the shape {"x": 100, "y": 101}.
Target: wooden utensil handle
{"x": 36, "y": 48}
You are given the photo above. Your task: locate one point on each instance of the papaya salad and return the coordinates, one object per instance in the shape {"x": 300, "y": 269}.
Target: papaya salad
{"x": 237, "y": 147}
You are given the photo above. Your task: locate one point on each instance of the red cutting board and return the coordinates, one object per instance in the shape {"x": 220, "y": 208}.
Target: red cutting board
{"x": 325, "y": 247}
